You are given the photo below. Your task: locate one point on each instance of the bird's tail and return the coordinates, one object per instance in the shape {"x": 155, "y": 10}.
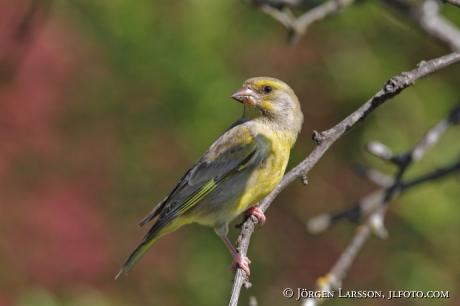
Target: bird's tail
{"x": 138, "y": 253}
{"x": 157, "y": 231}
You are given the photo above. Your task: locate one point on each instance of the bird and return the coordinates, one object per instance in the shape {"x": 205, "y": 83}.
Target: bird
{"x": 239, "y": 169}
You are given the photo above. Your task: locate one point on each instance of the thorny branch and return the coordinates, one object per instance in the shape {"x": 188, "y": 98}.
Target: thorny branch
{"x": 325, "y": 139}
{"x": 374, "y": 222}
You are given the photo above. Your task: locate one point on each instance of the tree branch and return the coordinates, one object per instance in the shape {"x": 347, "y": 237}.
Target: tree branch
{"x": 429, "y": 19}
{"x": 370, "y": 203}
{"x": 333, "y": 279}
{"x": 297, "y": 26}
{"x": 316, "y": 14}
{"x": 325, "y": 139}
{"x": 453, "y": 2}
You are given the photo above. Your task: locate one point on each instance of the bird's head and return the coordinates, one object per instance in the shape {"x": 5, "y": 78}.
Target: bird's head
{"x": 271, "y": 100}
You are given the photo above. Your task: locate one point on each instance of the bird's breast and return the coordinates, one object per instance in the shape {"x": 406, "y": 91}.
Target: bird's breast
{"x": 268, "y": 170}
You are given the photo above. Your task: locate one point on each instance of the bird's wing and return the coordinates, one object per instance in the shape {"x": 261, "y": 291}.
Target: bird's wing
{"x": 225, "y": 158}
{"x": 219, "y": 164}
{"x": 157, "y": 210}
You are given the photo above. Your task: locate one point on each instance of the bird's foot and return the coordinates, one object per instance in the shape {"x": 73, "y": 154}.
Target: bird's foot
{"x": 242, "y": 262}
{"x": 258, "y": 213}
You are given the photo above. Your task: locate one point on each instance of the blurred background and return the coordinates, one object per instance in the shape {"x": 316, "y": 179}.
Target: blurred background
{"x": 105, "y": 104}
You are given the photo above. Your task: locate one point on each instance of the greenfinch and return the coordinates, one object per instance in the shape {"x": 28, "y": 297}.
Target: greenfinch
{"x": 240, "y": 169}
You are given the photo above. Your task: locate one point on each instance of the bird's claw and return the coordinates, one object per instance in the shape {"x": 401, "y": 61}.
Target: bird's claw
{"x": 258, "y": 213}
{"x": 242, "y": 262}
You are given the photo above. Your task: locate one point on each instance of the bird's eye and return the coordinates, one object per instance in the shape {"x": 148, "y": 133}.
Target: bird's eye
{"x": 268, "y": 89}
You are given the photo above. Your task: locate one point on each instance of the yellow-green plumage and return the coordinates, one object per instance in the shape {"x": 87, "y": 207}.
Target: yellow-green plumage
{"x": 241, "y": 168}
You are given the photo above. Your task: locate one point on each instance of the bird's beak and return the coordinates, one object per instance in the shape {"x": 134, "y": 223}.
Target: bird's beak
{"x": 245, "y": 96}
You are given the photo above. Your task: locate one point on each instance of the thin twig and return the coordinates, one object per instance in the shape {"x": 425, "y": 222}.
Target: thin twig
{"x": 432, "y": 176}
{"x": 325, "y": 139}
{"x": 375, "y": 176}
{"x": 365, "y": 206}
{"x": 298, "y": 26}
{"x": 319, "y": 13}
{"x": 370, "y": 202}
